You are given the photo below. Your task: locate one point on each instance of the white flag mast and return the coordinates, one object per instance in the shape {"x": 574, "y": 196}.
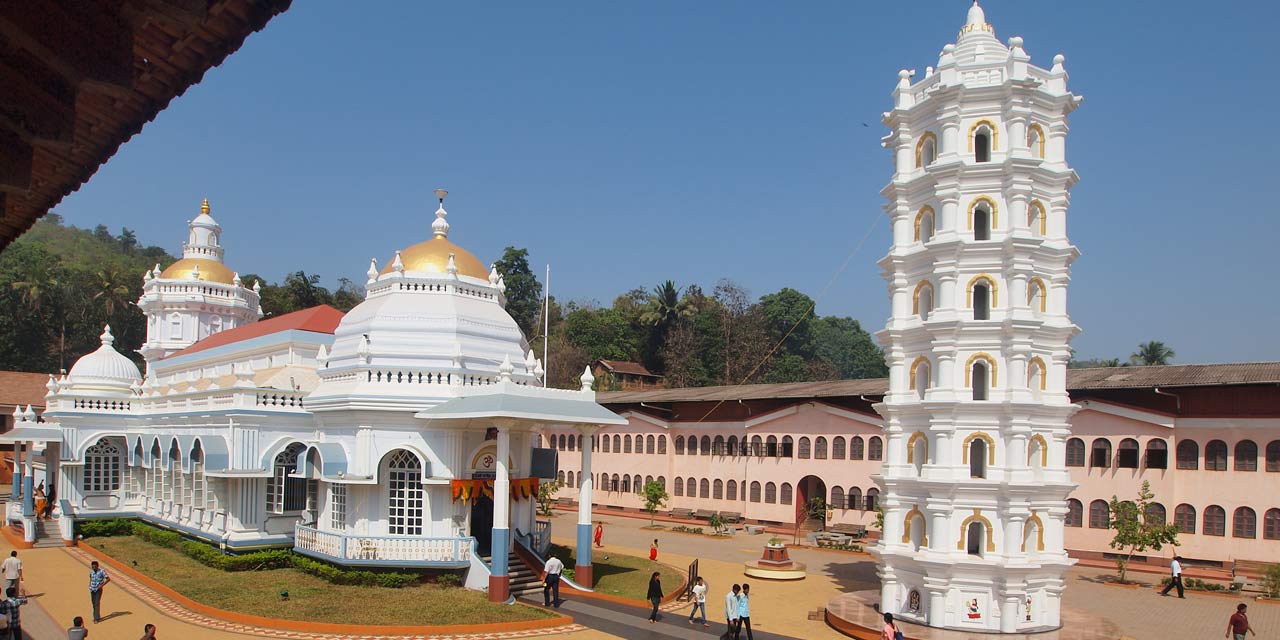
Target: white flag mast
{"x": 546, "y": 327}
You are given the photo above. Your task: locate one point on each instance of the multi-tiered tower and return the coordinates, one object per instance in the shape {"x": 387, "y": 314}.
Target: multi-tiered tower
{"x": 974, "y": 481}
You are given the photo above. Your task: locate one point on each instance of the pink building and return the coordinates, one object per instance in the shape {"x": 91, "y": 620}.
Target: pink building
{"x": 1207, "y": 437}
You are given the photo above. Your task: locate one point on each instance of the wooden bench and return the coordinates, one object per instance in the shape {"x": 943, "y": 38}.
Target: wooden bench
{"x": 566, "y": 503}
{"x": 731, "y": 516}
{"x": 682, "y": 514}
{"x": 1247, "y": 573}
{"x": 704, "y": 514}
{"x": 855, "y": 531}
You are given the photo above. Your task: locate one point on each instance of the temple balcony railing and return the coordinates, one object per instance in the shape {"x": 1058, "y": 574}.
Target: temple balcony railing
{"x": 383, "y": 551}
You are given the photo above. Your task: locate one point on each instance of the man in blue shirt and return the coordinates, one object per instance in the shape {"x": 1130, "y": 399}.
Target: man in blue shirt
{"x": 98, "y": 579}
{"x": 11, "y": 606}
{"x": 744, "y": 612}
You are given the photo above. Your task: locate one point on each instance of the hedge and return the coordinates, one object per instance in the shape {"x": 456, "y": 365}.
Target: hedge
{"x": 105, "y": 528}
{"x": 337, "y": 575}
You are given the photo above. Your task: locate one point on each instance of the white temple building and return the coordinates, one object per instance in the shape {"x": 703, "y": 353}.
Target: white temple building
{"x": 976, "y": 419}
{"x": 401, "y": 434}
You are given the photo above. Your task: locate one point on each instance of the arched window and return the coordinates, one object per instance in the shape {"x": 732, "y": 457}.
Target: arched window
{"x": 662, "y": 481}
{"x": 102, "y": 465}
{"x": 786, "y": 493}
{"x": 1188, "y": 455}
{"x": 922, "y": 300}
{"x": 617, "y": 444}
{"x": 982, "y": 140}
{"x": 717, "y": 490}
{"x": 706, "y": 445}
{"x": 1036, "y": 378}
{"x": 837, "y": 497}
{"x": 1157, "y": 456}
{"x": 732, "y": 490}
{"x": 855, "y": 448}
{"x": 560, "y": 477}
{"x": 717, "y": 446}
{"x": 647, "y": 480}
{"x": 873, "y": 499}
{"x": 855, "y": 498}
{"x": 626, "y": 444}
{"x": 1036, "y": 221}
{"x": 788, "y": 447}
{"x": 804, "y": 449}
{"x": 637, "y": 486}
{"x": 820, "y": 448}
{"x": 679, "y": 445}
{"x": 569, "y": 480}
{"x": 662, "y": 445}
{"x": 1075, "y": 513}
{"x": 757, "y": 446}
{"x": 770, "y": 493}
{"x": 1184, "y": 517}
{"x": 978, "y": 458}
{"x": 1075, "y": 452}
{"x": 1244, "y": 523}
{"x": 837, "y": 448}
{"x": 1037, "y": 299}
{"x": 199, "y": 484}
{"x": 1215, "y": 521}
{"x": 925, "y": 225}
{"x": 679, "y": 487}
{"x": 1099, "y": 515}
{"x": 1127, "y": 454}
{"x": 1101, "y": 453}
{"x": 732, "y": 446}
{"x": 1155, "y": 513}
{"x": 918, "y": 450}
{"x": 921, "y": 372}
{"x": 604, "y": 441}
{"x": 771, "y": 447}
{"x": 755, "y": 491}
{"x": 573, "y": 443}
{"x": 973, "y": 538}
{"x": 875, "y": 448}
{"x": 980, "y": 297}
{"x": 1215, "y": 457}
{"x": 691, "y": 487}
{"x": 1273, "y": 455}
{"x": 981, "y": 224}
{"x": 650, "y": 444}
{"x": 1246, "y": 456}
{"x": 1035, "y": 140}
{"x": 283, "y": 492}
{"x": 405, "y": 494}
{"x": 926, "y": 150}
{"x": 979, "y": 376}
{"x": 1271, "y": 525}
{"x": 626, "y": 483}
{"x": 614, "y": 483}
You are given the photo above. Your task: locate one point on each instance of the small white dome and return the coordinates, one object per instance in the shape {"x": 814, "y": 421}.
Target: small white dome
{"x": 105, "y": 365}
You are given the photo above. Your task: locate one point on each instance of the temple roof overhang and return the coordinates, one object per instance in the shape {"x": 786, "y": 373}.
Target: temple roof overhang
{"x": 518, "y": 406}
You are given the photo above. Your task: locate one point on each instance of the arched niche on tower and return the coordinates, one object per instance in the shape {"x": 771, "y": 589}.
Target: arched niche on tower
{"x": 980, "y": 435}
{"x": 922, "y": 300}
{"x": 926, "y": 150}
{"x": 1035, "y": 140}
{"x": 1033, "y": 529}
{"x": 985, "y": 358}
{"x": 925, "y": 224}
{"x": 914, "y": 529}
{"x": 1037, "y": 296}
{"x": 920, "y": 374}
{"x": 1037, "y": 219}
{"x": 1037, "y": 452}
{"x": 988, "y": 531}
{"x": 1037, "y": 374}
{"x": 984, "y": 139}
{"x": 991, "y": 218}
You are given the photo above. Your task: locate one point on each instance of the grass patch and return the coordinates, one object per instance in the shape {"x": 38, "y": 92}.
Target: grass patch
{"x": 625, "y": 576}
{"x": 310, "y": 598}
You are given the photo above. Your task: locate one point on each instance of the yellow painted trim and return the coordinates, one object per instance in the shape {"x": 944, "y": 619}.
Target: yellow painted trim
{"x": 928, "y": 135}
{"x": 991, "y": 447}
{"x": 995, "y": 133}
{"x": 1044, "y": 293}
{"x": 925, "y": 210}
{"x": 906, "y": 528}
{"x": 1044, "y": 450}
{"x": 915, "y": 297}
{"x": 991, "y": 283}
{"x": 911, "y": 446}
{"x": 964, "y": 528}
{"x": 968, "y": 368}
{"x": 1044, "y": 223}
{"x": 916, "y": 363}
{"x": 991, "y": 204}
{"x": 1039, "y": 532}
{"x": 1038, "y": 129}
{"x": 1044, "y": 371}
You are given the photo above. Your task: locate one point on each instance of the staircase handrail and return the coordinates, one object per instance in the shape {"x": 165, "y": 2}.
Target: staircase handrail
{"x": 543, "y": 560}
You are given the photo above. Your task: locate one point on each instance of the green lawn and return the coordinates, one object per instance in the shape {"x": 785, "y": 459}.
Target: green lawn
{"x": 310, "y": 598}
{"x": 619, "y": 575}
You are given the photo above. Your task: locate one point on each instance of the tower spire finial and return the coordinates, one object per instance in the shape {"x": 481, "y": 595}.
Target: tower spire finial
{"x": 204, "y": 207}
{"x": 441, "y": 226}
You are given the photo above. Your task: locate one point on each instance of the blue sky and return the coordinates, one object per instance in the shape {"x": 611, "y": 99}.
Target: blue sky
{"x": 628, "y": 144}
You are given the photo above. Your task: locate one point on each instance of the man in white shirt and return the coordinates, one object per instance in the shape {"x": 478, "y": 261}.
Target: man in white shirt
{"x": 731, "y": 610}
{"x": 551, "y": 582}
{"x": 1175, "y": 568}
{"x": 699, "y": 601}
{"x": 12, "y": 568}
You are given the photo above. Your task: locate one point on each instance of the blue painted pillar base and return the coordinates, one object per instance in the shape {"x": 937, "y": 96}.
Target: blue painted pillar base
{"x": 28, "y": 500}
{"x": 582, "y": 565}
{"x": 500, "y": 548}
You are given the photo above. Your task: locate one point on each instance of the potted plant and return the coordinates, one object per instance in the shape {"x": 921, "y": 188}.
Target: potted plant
{"x": 775, "y": 542}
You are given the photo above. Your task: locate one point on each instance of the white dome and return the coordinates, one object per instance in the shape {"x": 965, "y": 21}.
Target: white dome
{"x": 105, "y": 366}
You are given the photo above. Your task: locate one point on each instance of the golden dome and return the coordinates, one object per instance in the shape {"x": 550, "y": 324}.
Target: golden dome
{"x": 210, "y": 271}
{"x": 432, "y": 256}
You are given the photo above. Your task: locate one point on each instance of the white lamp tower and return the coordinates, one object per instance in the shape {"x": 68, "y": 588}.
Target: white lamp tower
{"x": 974, "y": 482}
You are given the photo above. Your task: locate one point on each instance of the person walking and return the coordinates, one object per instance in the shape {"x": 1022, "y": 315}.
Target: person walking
{"x": 699, "y": 601}
{"x": 148, "y": 632}
{"x": 744, "y": 612}
{"x": 653, "y": 550}
{"x": 12, "y": 570}
{"x": 98, "y": 579}
{"x": 77, "y": 630}
{"x": 599, "y": 533}
{"x": 551, "y": 582}
{"x": 731, "y": 611}
{"x": 890, "y": 630}
{"x": 13, "y": 604}
{"x": 1239, "y": 623}
{"x": 1175, "y": 568}
{"x": 655, "y": 595}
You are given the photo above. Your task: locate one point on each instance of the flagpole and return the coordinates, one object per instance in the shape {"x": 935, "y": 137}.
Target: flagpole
{"x": 546, "y": 328}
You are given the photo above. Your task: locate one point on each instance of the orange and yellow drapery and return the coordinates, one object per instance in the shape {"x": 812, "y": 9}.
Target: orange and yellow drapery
{"x": 471, "y": 490}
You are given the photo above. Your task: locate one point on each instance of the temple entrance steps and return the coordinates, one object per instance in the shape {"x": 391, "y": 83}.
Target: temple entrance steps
{"x": 47, "y": 534}
{"x": 524, "y": 580}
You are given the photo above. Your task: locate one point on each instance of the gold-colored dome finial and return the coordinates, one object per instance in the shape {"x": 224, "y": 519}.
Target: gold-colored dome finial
{"x": 204, "y": 207}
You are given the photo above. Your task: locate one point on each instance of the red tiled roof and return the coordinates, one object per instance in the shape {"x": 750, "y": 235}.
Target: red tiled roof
{"x": 627, "y": 368}
{"x": 321, "y": 319}
{"x": 20, "y": 387}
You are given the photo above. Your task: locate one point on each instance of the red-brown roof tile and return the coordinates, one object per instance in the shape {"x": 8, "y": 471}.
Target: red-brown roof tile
{"x": 22, "y": 388}
{"x": 627, "y": 368}
{"x": 321, "y": 319}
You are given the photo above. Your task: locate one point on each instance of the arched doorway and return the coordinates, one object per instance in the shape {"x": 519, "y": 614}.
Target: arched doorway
{"x": 807, "y": 489}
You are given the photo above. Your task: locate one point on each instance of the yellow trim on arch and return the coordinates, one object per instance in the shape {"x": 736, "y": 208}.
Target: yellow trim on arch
{"x": 1044, "y": 222}
{"x": 1038, "y": 129}
{"x": 991, "y": 283}
{"x": 911, "y": 446}
{"x": 991, "y": 204}
{"x": 1044, "y": 450}
{"x": 1044, "y": 293}
{"x": 928, "y": 135}
{"x": 916, "y": 363}
{"x": 964, "y": 529}
{"x": 906, "y": 527}
{"x": 915, "y": 297}
{"x": 925, "y": 210}
{"x": 1044, "y": 371}
{"x": 995, "y": 133}
{"x": 1039, "y": 532}
{"x": 968, "y": 368}
{"x": 991, "y": 447}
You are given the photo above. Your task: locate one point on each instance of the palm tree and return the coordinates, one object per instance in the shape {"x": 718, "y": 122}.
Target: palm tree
{"x": 665, "y": 306}
{"x": 1152, "y": 353}
{"x": 110, "y": 289}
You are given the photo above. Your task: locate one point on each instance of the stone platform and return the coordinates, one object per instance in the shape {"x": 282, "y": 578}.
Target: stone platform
{"x": 767, "y": 571}
{"x": 856, "y": 615}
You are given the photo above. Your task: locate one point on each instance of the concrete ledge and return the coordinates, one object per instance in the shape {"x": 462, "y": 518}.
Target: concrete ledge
{"x": 14, "y": 537}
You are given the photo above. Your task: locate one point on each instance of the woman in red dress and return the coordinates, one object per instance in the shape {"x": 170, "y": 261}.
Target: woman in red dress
{"x": 653, "y": 550}
{"x": 599, "y": 532}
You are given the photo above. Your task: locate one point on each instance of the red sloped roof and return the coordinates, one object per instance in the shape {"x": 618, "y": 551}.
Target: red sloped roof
{"x": 321, "y": 319}
{"x": 628, "y": 368}
{"x": 22, "y": 388}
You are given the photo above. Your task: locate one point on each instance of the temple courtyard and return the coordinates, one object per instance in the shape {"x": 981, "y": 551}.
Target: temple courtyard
{"x": 56, "y": 580}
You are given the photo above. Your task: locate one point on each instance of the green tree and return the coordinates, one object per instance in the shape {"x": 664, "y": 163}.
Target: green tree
{"x": 547, "y": 496}
{"x": 663, "y": 309}
{"x": 1152, "y": 353}
{"x": 524, "y": 292}
{"x": 1135, "y": 528}
{"x": 655, "y": 497}
{"x": 742, "y": 333}
{"x": 789, "y": 315}
{"x": 843, "y": 343}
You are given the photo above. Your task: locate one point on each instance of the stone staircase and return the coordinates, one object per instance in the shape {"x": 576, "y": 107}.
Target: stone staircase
{"x": 524, "y": 581}
{"x": 47, "y": 534}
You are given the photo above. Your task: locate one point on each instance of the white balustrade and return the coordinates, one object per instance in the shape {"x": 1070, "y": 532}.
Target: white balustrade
{"x": 382, "y": 548}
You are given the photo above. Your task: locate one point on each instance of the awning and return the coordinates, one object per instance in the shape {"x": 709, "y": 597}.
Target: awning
{"x": 136, "y": 451}
{"x": 184, "y": 451}
{"x": 330, "y": 461}
{"x": 32, "y": 432}
{"x": 215, "y": 452}
{"x": 532, "y": 406}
